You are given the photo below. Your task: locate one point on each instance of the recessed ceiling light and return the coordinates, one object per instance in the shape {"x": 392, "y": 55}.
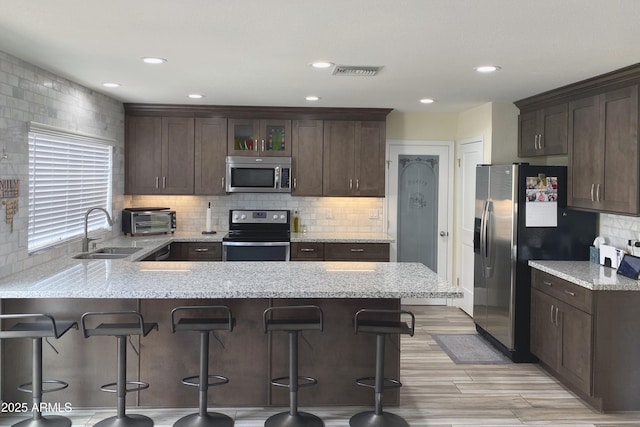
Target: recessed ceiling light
{"x": 312, "y": 98}
{"x": 427, "y": 100}
{"x": 111, "y": 85}
{"x": 487, "y": 68}
{"x": 321, "y": 64}
{"x": 195, "y": 96}
{"x": 153, "y": 60}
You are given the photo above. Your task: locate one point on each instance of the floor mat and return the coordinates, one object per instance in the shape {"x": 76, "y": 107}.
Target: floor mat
{"x": 469, "y": 349}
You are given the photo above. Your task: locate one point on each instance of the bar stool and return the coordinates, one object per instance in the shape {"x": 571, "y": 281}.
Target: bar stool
{"x": 293, "y": 326}
{"x": 40, "y": 326}
{"x": 121, "y": 330}
{"x": 380, "y": 327}
{"x": 204, "y": 325}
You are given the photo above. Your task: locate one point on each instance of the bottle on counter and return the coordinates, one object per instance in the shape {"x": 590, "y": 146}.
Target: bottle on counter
{"x": 296, "y": 221}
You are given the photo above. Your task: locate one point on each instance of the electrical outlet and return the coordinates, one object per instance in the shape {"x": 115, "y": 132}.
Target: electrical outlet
{"x": 373, "y": 214}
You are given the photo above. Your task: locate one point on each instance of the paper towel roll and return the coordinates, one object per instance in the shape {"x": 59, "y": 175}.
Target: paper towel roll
{"x": 207, "y": 227}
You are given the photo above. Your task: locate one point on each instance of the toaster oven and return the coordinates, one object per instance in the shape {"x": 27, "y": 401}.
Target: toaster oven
{"x": 142, "y": 221}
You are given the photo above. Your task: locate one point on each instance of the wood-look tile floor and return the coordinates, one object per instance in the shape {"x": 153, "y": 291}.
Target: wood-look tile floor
{"x": 436, "y": 391}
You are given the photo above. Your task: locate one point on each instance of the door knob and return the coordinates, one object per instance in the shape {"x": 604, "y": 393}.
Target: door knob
{"x": 443, "y": 233}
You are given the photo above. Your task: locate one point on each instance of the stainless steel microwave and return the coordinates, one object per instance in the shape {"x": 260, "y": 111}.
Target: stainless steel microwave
{"x": 258, "y": 174}
{"x": 136, "y": 221}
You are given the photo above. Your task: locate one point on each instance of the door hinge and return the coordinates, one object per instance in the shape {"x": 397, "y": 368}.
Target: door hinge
{"x": 459, "y": 162}
{"x": 457, "y": 281}
{"x": 388, "y": 164}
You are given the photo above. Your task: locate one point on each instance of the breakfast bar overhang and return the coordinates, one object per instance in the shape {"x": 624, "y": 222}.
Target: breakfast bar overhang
{"x": 247, "y": 356}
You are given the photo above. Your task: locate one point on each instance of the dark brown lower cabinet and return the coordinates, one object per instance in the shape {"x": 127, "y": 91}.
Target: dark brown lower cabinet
{"x": 589, "y": 340}
{"x": 318, "y": 251}
{"x": 561, "y": 339}
{"x": 247, "y": 356}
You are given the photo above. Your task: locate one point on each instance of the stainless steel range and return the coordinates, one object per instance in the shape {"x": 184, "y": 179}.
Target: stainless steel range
{"x": 257, "y": 235}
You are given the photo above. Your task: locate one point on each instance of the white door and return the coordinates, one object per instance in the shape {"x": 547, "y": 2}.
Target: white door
{"x": 419, "y": 205}
{"x": 469, "y": 156}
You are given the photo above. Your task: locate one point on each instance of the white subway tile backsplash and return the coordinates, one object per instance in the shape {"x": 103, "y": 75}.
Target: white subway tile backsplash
{"x": 618, "y": 229}
{"x": 319, "y": 214}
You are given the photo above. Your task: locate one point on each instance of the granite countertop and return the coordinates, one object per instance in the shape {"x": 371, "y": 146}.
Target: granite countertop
{"x": 588, "y": 275}
{"x": 125, "y": 278}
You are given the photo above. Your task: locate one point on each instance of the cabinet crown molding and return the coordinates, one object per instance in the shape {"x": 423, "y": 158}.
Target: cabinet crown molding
{"x": 262, "y": 112}
{"x": 617, "y": 78}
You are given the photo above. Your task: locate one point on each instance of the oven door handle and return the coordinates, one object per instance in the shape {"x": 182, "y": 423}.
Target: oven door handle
{"x": 256, "y": 243}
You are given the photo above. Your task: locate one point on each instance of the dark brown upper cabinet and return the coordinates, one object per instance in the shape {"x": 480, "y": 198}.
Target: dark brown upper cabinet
{"x": 210, "y": 152}
{"x": 159, "y": 155}
{"x": 354, "y": 153}
{"x": 602, "y": 138}
{"x": 306, "y": 153}
{"x": 603, "y": 153}
{"x": 543, "y": 131}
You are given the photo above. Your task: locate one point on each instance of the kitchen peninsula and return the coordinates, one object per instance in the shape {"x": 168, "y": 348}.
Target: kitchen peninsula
{"x": 249, "y": 357}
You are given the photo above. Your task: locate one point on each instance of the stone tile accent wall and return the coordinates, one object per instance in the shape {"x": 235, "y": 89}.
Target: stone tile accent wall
{"x": 320, "y": 214}
{"x": 28, "y": 93}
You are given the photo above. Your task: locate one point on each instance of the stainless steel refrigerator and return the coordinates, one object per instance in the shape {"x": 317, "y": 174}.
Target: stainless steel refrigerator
{"x": 520, "y": 214}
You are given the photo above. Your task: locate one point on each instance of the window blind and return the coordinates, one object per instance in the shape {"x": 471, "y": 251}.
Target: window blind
{"x": 68, "y": 174}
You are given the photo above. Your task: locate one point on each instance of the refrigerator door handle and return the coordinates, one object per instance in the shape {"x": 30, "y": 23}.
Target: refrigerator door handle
{"x": 485, "y": 244}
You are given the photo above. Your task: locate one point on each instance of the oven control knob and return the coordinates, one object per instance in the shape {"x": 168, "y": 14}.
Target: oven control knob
{"x": 282, "y": 217}
{"x": 243, "y": 216}
{"x": 275, "y": 216}
{"x": 235, "y": 217}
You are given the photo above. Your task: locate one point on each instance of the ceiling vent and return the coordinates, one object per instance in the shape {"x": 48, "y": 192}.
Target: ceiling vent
{"x": 355, "y": 70}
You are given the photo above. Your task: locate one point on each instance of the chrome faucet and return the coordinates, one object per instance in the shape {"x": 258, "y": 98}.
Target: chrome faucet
{"x": 85, "y": 239}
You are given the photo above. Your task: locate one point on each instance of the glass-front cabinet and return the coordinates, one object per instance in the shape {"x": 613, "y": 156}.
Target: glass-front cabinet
{"x": 259, "y": 137}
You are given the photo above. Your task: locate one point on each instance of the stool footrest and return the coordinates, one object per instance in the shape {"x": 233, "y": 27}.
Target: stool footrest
{"x": 221, "y": 381}
{"x": 307, "y": 381}
{"x": 140, "y": 386}
{"x": 62, "y": 385}
{"x": 389, "y": 382}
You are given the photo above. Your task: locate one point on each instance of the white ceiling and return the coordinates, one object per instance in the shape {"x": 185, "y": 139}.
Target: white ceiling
{"x": 256, "y": 52}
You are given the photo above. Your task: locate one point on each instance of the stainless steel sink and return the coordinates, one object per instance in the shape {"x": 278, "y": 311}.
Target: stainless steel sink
{"x": 115, "y": 250}
{"x": 108, "y": 253}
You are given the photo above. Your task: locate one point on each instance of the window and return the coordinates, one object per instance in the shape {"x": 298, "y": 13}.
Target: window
{"x": 68, "y": 174}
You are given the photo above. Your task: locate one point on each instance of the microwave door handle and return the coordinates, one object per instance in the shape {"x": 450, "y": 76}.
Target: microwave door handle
{"x": 277, "y": 177}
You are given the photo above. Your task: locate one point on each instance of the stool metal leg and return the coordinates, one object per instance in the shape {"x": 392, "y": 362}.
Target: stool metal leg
{"x": 377, "y": 417}
{"x": 204, "y": 418}
{"x": 38, "y": 420}
{"x": 293, "y": 418}
{"x": 121, "y": 419}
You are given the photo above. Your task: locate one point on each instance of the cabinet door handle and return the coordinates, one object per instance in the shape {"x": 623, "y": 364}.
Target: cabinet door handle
{"x": 547, "y": 283}
{"x": 295, "y": 183}
{"x": 157, "y": 182}
{"x": 570, "y": 293}
{"x": 202, "y": 249}
{"x": 307, "y": 250}
{"x": 263, "y": 145}
{"x": 557, "y": 310}
{"x": 598, "y": 193}
{"x": 357, "y": 250}
{"x": 358, "y": 184}
{"x": 164, "y": 182}
{"x": 351, "y": 184}
{"x": 535, "y": 141}
{"x": 592, "y": 186}
{"x": 552, "y": 322}
{"x": 540, "y": 138}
